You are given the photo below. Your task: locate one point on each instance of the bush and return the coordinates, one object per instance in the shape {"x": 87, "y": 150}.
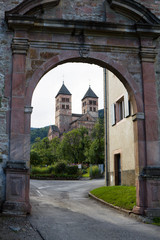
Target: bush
{"x": 95, "y": 172}
{"x": 60, "y": 167}
{"x": 40, "y": 170}
{"x": 72, "y": 170}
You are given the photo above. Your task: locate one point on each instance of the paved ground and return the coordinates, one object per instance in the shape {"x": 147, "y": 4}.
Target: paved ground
{"x": 61, "y": 210}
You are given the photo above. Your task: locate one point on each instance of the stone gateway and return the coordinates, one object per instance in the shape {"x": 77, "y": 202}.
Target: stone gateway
{"x": 36, "y": 36}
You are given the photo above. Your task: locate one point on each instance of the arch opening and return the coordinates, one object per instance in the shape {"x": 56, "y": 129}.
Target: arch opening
{"x": 113, "y": 101}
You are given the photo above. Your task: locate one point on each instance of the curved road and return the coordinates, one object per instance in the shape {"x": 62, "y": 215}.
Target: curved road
{"x": 62, "y": 210}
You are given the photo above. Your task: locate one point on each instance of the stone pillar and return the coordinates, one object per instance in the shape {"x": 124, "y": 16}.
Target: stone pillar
{"x": 140, "y": 161}
{"x": 149, "y": 178}
{"x": 17, "y": 170}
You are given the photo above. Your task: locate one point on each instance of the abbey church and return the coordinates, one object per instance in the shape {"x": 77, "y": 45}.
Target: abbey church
{"x": 65, "y": 120}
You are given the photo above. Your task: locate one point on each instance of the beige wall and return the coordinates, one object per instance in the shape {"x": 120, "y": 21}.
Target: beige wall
{"x": 121, "y": 137}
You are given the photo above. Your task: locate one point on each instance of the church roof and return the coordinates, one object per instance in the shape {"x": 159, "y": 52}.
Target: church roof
{"x": 90, "y": 94}
{"x": 63, "y": 90}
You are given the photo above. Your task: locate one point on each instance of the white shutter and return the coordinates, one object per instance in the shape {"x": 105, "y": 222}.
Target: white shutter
{"x": 126, "y": 105}
{"x": 113, "y": 114}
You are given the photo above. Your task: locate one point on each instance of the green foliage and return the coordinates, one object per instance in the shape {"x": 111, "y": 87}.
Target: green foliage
{"x": 95, "y": 153}
{"x": 72, "y": 170}
{"x": 156, "y": 221}
{"x": 73, "y": 145}
{"x": 44, "y": 151}
{"x": 38, "y": 133}
{"x": 35, "y": 158}
{"x": 42, "y": 170}
{"x": 85, "y": 173}
{"x": 59, "y": 171}
{"x": 121, "y": 196}
{"x": 76, "y": 146}
{"x": 95, "y": 172}
{"x": 60, "y": 167}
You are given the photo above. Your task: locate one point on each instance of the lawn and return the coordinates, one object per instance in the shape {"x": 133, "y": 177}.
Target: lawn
{"x": 121, "y": 196}
{"x": 156, "y": 221}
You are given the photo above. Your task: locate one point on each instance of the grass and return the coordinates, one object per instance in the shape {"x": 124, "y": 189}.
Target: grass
{"x": 86, "y": 175}
{"x": 156, "y": 221}
{"x": 121, "y": 196}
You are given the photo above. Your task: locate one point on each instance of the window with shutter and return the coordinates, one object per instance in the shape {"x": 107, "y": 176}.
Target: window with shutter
{"x": 126, "y": 105}
{"x": 113, "y": 114}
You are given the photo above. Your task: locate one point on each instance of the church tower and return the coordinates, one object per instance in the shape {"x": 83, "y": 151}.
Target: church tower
{"x": 90, "y": 103}
{"x": 63, "y": 114}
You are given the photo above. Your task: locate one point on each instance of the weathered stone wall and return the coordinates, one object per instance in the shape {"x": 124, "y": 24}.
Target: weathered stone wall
{"x": 5, "y": 74}
{"x": 67, "y": 9}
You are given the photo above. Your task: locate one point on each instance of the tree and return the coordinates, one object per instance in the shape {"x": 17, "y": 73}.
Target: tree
{"x": 43, "y": 150}
{"x": 95, "y": 153}
{"x": 73, "y": 144}
{"x": 35, "y": 158}
{"x": 54, "y": 148}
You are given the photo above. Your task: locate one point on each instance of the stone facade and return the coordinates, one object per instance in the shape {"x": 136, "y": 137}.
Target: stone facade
{"x": 122, "y": 36}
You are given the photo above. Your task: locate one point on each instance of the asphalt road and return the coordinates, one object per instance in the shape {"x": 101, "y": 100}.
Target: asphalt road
{"x": 62, "y": 210}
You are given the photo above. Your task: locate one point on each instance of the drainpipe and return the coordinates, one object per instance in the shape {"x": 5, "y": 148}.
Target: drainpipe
{"x": 105, "y": 124}
{"x": 105, "y": 108}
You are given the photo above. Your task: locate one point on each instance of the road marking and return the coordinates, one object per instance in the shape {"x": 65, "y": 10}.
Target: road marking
{"x": 40, "y": 194}
{"x": 44, "y": 187}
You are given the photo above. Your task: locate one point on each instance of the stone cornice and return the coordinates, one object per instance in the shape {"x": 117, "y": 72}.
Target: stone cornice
{"x": 138, "y": 116}
{"x": 30, "y": 5}
{"x": 136, "y": 11}
{"x": 148, "y": 54}
{"x": 28, "y": 109}
{"x": 20, "y": 46}
{"x": 151, "y": 173}
{"x": 76, "y": 26}
{"x": 84, "y": 50}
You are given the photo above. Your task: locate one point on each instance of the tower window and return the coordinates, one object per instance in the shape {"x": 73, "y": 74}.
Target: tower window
{"x": 63, "y": 106}
{"x": 84, "y": 111}
{"x": 63, "y": 99}
{"x": 94, "y": 109}
{"x": 90, "y": 108}
{"x": 90, "y": 102}
{"x": 67, "y": 99}
{"x": 67, "y": 106}
{"x": 94, "y": 102}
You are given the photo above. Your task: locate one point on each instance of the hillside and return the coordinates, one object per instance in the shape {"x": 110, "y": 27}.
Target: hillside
{"x": 39, "y": 132}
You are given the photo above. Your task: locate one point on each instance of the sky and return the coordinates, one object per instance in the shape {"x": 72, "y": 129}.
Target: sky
{"x": 77, "y": 77}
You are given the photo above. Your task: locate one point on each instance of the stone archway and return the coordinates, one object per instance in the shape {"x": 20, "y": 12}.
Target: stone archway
{"x": 48, "y": 33}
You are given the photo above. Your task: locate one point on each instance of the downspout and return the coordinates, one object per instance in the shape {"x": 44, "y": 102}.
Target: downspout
{"x": 105, "y": 110}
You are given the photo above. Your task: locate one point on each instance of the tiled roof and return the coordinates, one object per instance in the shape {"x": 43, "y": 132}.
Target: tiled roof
{"x": 90, "y": 94}
{"x": 63, "y": 90}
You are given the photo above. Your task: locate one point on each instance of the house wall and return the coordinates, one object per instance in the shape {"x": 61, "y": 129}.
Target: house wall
{"x": 121, "y": 137}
